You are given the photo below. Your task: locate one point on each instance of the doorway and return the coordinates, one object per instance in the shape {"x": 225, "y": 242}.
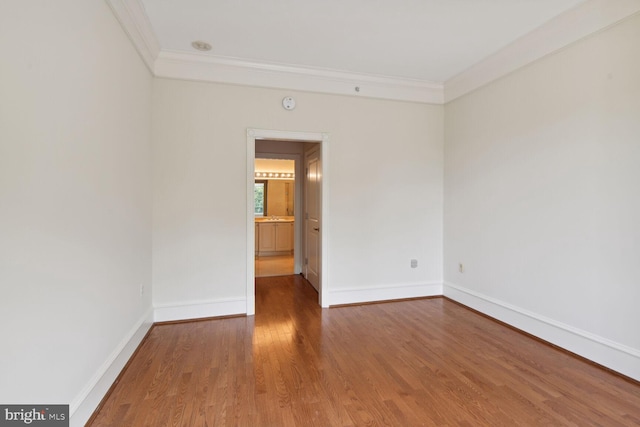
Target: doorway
{"x": 307, "y": 142}
{"x": 276, "y": 218}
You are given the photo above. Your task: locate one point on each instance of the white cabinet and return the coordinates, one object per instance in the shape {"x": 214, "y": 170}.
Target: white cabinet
{"x": 266, "y": 237}
{"x": 284, "y": 236}
{"x": 274, "y": 238}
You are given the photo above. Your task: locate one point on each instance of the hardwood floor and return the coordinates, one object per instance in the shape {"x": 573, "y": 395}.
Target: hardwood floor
{"x": 427, "y": 362}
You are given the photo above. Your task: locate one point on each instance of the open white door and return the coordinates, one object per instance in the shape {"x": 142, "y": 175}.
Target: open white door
{"x": 313, "y": 261}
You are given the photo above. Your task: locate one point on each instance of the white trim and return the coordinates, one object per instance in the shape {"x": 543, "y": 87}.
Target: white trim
{"x": 199, "y": 309}
{"x": 324, "y": 291}
{"x": 134, "y": 21}
{"x": 579, "y": 22}
{"x": 207, "y": 68}
{"x": 569, "y": 27}
{"x": 276, "y": 135}
{"x": 86, "y": 402}
{"x": 605, "y": 352}
{"x": 385, "y": 293}
{"x": 251, "y": 224}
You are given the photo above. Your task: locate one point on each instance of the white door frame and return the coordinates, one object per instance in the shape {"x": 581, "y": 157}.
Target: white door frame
{"x": 323, "y": 138}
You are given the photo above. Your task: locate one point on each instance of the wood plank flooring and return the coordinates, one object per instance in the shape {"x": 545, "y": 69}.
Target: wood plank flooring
{"x": 427, "y": 362}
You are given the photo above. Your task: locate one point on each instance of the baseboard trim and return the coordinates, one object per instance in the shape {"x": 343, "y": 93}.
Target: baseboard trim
{"x": 199, "y": 309}
{"x": 384, "y": 293}
{"x": 83, "y": 406}
{"x": 610, "y": 354}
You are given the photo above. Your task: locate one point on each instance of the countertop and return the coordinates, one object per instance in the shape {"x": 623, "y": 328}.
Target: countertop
{"x": 276, "y": 219}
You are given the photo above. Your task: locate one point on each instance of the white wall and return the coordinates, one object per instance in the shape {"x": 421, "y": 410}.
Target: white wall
{"x": 385, "y": 185}
{"x": 541, "y": 192}
{"x": 75, "y": 198}
{"x": 542, "y": 198}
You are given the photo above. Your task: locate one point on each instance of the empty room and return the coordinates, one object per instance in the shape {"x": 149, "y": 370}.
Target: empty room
{"x": 327, "y": 213}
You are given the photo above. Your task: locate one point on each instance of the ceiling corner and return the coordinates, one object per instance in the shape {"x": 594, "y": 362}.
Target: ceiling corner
{"x": 575, "y": 24}
{"x": 133, "y": 18}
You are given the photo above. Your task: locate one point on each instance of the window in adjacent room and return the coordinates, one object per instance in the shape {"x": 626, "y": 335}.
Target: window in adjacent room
{"x": 260, "y": 198}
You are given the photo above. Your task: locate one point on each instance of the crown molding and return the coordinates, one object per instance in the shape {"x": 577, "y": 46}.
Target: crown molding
{"x": 579, "y": 22}
{"x": 576, "y": 23}
{"x": 134, "y": 21}
{"x": 201, "y": 67}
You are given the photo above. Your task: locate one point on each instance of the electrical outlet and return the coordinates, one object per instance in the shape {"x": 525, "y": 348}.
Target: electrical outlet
{"x": 141, "y": 289}
{"x": 461, "y": 268}
{"x": 414, "y": 263}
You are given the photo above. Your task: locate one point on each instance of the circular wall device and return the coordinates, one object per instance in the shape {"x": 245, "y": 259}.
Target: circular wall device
{"x": 288, "y": 103}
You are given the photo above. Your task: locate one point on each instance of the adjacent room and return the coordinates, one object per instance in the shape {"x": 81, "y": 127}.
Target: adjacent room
{"x": 275, "y": 219}
{"x": 322, "y": 212}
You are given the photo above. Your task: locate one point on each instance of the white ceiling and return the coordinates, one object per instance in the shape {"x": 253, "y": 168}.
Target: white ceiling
{"x": 432, "y": 40}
